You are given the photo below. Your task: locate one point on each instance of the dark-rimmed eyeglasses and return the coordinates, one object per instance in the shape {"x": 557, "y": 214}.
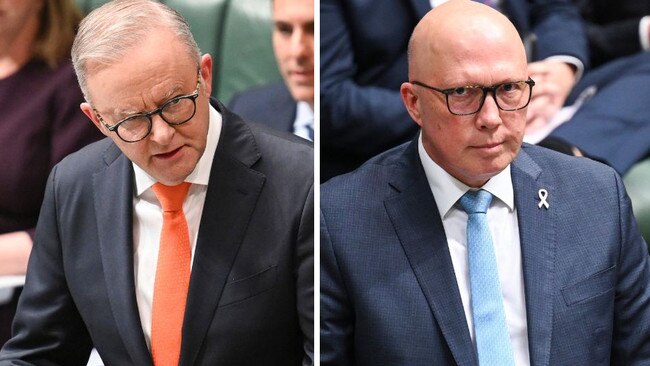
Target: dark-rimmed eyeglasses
{"x": 174, "y": 112}
{"x": 466, "y": 100}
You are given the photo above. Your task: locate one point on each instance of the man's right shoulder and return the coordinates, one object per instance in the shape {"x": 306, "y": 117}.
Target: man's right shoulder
{"x": 368, "y": 182}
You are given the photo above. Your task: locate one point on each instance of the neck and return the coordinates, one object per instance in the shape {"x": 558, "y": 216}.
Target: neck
{"x": 16, "y": 50}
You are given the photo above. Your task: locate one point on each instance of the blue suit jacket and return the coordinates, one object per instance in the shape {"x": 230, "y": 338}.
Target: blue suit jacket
{"x": 270, "y": 104}
{"x": 388, "y": 290}
{"x": 250, "y": 299}
{"x": 613, "y": 126}
{"x": 363, "y": 63}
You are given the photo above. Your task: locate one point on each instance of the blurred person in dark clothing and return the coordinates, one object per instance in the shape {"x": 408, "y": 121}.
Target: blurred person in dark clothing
{"x": 40, "y": 120}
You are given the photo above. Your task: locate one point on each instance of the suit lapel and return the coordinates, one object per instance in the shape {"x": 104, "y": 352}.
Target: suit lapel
{"x": 537, "y": 236}
{"x": 113, "y": 188}
{"x": 414, "y": 215}
{"x": 230, "y": 201}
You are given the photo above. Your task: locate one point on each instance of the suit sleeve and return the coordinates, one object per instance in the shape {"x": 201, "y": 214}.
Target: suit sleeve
{"x": 559, "y": 30}
{"x": 305, "y": 281}
{"x": 47, "y": 329}
{"x": 337, "y": 318}
{"x": 358, "y": 120}
{"x": 631, "y": 336}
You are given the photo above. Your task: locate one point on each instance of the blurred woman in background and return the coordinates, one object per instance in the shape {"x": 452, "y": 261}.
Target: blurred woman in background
{"x": 40, "y": 122}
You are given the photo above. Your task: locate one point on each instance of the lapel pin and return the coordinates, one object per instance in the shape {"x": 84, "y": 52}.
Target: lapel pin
{"x": 542, "y": 193}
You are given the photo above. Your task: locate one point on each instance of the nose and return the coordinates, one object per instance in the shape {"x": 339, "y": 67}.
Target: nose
{"x": 489, "y": 115}
{"x": 299, "y": 45}
{"x": 161, "y": 132}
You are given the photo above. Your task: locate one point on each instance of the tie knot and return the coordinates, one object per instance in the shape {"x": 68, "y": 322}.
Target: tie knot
{"x": 476, "y": 201}
{"x": 171, "y": 197}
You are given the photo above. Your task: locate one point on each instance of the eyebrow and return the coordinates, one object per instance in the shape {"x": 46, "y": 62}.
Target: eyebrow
{"x": 175, "y": 91}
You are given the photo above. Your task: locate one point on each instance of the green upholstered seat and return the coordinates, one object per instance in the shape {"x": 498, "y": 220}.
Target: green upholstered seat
{"x": 87, "y": 5}
{"x": 246, "y": 56}
{"x": 206, "y": 18}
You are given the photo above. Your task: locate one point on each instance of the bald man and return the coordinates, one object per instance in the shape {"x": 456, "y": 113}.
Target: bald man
{"x": 464, "y": 247}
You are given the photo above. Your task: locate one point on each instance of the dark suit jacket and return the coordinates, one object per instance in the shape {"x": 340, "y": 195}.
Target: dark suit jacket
{"x": 270, "y": 104}
{"x": 612, "y": 27}
{"x": 250, "y": 300}
{"x": 363, "y": 63}
{"x": 388, "y": 290}
{"x": 613, "y": 125}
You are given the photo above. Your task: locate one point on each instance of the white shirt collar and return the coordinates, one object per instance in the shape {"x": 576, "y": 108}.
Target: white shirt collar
{"x": 201, "y": 173}
{"x": 447, "y": 190}
{"x": 304, "y": 114}
{"x": 304, "y": 120}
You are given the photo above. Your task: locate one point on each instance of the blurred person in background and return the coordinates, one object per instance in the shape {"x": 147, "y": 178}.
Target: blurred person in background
{"x": 606, "y": 117}
{"x": 289, "y": 105}
{"x": 615, "y": 29}
{"x": 40, "y": 121}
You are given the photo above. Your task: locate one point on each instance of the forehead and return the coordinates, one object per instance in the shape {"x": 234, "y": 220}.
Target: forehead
{"x": 286, "y": 9}
{"x": 145, "y": 76}
{"x": 469, "y": 63}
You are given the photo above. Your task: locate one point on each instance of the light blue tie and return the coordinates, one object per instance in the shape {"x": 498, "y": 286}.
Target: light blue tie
{"x": 490, "y": 329}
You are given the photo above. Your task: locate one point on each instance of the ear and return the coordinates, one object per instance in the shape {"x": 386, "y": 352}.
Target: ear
{"x": 411, "y": 102}
{"x": 206, "y": 73}
{"x": 90, "y": 113}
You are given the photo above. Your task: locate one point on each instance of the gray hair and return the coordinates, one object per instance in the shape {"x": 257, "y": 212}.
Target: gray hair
{"x": 108, "y": 32}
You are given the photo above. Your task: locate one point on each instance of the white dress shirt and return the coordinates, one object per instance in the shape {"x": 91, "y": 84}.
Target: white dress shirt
{"x": 304, "y": 120}
{"x": 147, "y": 221}
{"x": 502, "y": 219}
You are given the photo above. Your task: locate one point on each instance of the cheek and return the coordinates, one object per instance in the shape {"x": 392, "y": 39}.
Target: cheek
{"x": 280, "y": 44}
{"x": 515, "y": 122}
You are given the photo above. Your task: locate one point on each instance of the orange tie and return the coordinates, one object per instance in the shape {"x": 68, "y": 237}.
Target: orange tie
{"x": 172, "y": 276}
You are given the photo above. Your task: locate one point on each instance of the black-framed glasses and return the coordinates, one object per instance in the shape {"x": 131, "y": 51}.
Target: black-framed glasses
{"x": 466, "y": 100}
{"x": 174, "y": 112}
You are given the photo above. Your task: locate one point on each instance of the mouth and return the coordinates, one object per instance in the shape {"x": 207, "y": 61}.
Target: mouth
{"x": 169, "y": 154}
{"x": 489, "y": 147}
{"x": 302, "y": 74}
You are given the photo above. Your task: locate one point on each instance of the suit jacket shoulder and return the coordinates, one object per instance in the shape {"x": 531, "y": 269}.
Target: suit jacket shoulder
{"x": 270, "y": 104}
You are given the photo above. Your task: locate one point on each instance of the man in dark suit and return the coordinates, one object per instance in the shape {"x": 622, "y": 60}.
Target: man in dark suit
{"x": 363, "y": 63}
{"x": 615, "y": 29}
{"x": 289, "y": 105}
{"x": 611, "y": 124}
{"x": 551, "y": 270}
{"x": 243, "y": 292}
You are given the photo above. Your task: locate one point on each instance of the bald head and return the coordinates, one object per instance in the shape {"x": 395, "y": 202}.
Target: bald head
{"x": 461, "y": 30}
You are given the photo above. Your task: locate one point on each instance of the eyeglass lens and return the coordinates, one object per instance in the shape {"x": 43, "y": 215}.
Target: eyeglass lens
{"x": 176, "y": 111}
{"x": 509, "y": 97}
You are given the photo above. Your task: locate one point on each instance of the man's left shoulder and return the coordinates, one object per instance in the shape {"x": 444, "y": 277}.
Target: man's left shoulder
{"x": 571, "y": 173}
{"x": 282, "y": 152}
{"x": 550, "y": 160}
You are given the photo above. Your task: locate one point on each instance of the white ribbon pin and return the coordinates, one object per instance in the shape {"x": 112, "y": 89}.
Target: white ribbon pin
{"x": 542, "y": 198}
